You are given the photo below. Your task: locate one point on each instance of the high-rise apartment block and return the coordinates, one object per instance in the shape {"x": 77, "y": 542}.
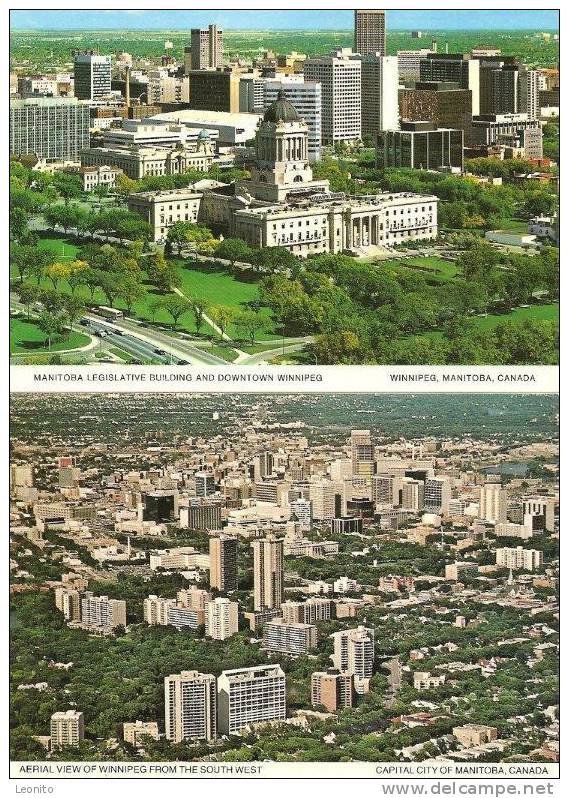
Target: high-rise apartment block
{"x": 354, "y": 651}
{"x": 268, "y": 573}
{"x": 309, "y": 611}
{"x": 519, "y": 558}
{"x": 369, "y": 32}
{"x": 340, "y": 77}
{"x": 247, "y": 696}
{"x": 190, "y": 706}
{"x": 155, "y": 610}
{"x": 66, "y": 729}
{"x": 102, "y": 612}
{"x": 92, "y": 75}
{"x": 289, "y": 638}
{"x": 332, "y": 689}
{"x": 201, "y": 516}
{"x": 221, "y": 618}
{"x": 223, "y": 572}
{"x": 437, "y": 495}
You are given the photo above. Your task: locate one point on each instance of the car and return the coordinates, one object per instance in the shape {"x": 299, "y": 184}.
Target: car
{"x": 84, "y": 322}
{"x": 159, "y": 352}
{"x": 117, "y": 331}
{"x": 183, "y": 362}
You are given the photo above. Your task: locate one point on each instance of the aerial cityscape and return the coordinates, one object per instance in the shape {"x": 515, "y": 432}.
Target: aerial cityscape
{"x": 186, "y": 189}
{"x": 307, "y": 578}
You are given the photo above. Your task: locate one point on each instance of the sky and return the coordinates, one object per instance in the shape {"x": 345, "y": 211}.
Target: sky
{"x": 456, "y": 19}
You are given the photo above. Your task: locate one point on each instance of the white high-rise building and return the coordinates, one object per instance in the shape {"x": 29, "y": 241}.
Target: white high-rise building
{"x": 323, "y": 498}
{"x": 221, "y": 618}
{"x": 66, "y": 729}
{"x": 493, "y": 503}
{"x": 519, "y": 558}
{"x": 528, "y": 88}
{"x": 155, "y": 610}
{"x": 380, "y": 93}
{"x": 250, "y": 695}
{"x": 190, "y": 706}
{"x": 354, "y": 651}
{"x": 102, "y": 612}
{"x": 306, "y": 96}
{"x": 340, "y": 76}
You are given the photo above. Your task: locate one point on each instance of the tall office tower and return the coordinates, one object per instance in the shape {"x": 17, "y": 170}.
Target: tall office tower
{"x": 493, "y": 503}
{"x": 325, "y": 497}
{"x": 268, "y": 573}
{"x": 102, "y": 612}
{"x": 206, "y": 50}
{"x": 380, "y": 94}
{"x": 499, "y": 91}
{"x": 223, "y": 573}
{"x": 92, "y": 75}
{"x": 354, "y": 651}
{"x": 437, "y": 495}
{"x": 420, "y": 145}
{"x": 301, "y": 509}
{"x": 306, "y": 97}
{"x": 369, "y": 32}
{"x": 528, "y": 85}
{"x": 205, "y": 483}
{"x": 340, "y": 77}
{"x": 332, "y": 689}
{"x": 214, "y": 90}
{"x": 453, "y": 68}
{"x": 54, "y": 129}
{"x": 539, "y": 513}
{"x": 363, "y": 462}
{"x": 412, "y": 494}
{"x": 250, "y": 695}
{"x": 66, "y": 729}
{"x": 221, "y": 618}
{"x": 190, "y": 706}
{"x": 264, "y": 465}
{"x": 202, "y": 516}
{"x": 445, "y": 105}
{"x": 155, "y": 610}
{"x": 21, "y": 476}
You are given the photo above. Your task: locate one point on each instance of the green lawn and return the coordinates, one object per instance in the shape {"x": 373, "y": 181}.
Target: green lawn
{"x": 62, "y": 247}
{"x": 515, "y": 225}
{"x": 430, "y": 267}
{"x": 26, "y": 337}
{"x": 535, "y": 312}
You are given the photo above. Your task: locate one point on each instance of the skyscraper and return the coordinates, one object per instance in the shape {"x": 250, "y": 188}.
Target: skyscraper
{"x": 102, "y": 612}
{"x": 340, "y": 76}
{"x": 437, "y": 494}
{"x": 362, "y": 453}
{"x": 369, "y": 32}
{"x": 268, "y": 573}
{"x": 380, "y": 98}
{"x": 223, "y": 572}
{"x": 190, "y": 706}
{"x": 92, "y": 75}
{"x": 206, "y": 51}
{"x": 250, "y": 695}
{"x": 354, "y": 651}
{"x": 493, "y": 503}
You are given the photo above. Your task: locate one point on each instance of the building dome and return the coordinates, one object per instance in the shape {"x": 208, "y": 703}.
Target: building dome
{"x": 203, "y": 135}
{"x": 281, "y": 110}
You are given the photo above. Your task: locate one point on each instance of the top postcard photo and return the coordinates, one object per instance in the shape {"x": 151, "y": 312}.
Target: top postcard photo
{"x": 295, "y": 188}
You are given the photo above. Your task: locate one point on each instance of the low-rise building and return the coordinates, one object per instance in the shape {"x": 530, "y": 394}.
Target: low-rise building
{"x": 135, "y": 732}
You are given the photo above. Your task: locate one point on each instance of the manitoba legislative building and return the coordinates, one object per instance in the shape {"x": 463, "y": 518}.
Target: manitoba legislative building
{"x": 282, "y": 205}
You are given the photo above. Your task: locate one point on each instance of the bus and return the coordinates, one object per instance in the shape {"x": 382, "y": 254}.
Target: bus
{"x": 109, "y": 313}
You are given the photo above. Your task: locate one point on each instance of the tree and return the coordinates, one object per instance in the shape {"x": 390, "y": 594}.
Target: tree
{"x": 130, "y": 290}
{"x": 56, "y": 272}
{"x": 20, "y": 258}
{"x": 74, "y": 309}
{"x": 182, "y": 233}
{"x": 18, "y": 224}
{"x": 28, "y": 294}
{"x": 233, "y": 250}
{"x": 51, "y": 300}
{"x": 124, "y": 185}
{"x": 76, "y": 275}
{"x": 249, "y": 322}
{"x": 64, "y": 216}
{"x": 176, "y": 307}
{"x": 68, "y": 186}
{"x": 51, "y": 325}
{"x": 222, "y": 316}
{"x": 199, "y": 308}
{"x": 163, "y": 273}
{"x": 109, "y": 286}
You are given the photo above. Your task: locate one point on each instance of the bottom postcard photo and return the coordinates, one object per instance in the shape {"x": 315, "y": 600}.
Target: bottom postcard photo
{"x": 319, "y": 580}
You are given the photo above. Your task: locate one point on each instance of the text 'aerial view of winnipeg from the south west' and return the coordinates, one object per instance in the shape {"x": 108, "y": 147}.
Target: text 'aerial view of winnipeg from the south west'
{"x": 202, "y": 188}
{"x": 253, "y": 578}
